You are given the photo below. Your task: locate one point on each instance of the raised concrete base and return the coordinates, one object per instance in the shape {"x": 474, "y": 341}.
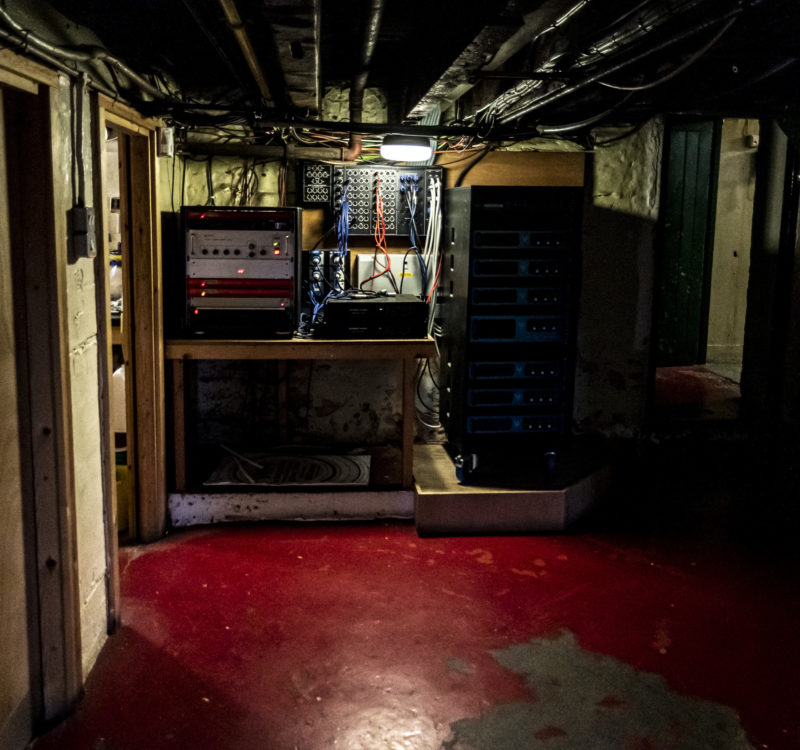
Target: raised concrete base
{"x": 191, "y": 509}
{"x": 445, "y": 507}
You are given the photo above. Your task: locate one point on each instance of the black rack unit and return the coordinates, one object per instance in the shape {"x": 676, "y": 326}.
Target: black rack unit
{"x": 241, "y": 271}
{"x": 508, "y": 306}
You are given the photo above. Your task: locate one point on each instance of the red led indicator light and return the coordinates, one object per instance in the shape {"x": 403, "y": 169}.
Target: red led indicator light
{"x": 196, "y": 312}
{"x": 240, "y": 270}
{"x": 277, "y": 251}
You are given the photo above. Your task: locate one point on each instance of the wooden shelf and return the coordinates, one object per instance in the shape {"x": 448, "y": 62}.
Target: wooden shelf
{"x": 296, "y": 348}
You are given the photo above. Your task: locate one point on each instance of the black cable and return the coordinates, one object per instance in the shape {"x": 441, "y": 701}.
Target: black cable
{"x": 469, "y": 166}
{"x": 432, "y": 410}
{"x": 172, "y": 184}
{"x": 183, "y": 181}
{"x": 430, "y": 373}
{"x": 323, "y": 236}
{"x": 210, "y": 182}
{"x": 635, "y": 129}
{"x": 589, "y": 121}
{"x": 402, "y": 270}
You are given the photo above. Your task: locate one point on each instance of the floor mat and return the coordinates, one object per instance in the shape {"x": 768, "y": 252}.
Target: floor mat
{"x": 272, "y": 470}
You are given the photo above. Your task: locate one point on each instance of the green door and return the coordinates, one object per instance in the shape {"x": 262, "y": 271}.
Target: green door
{"x": 684, "y": 269}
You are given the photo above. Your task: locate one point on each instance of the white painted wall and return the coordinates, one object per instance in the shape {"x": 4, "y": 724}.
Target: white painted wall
{"x": 15, "y": 708}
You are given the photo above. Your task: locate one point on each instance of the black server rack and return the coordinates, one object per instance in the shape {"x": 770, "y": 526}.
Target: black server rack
{"x": 508, "y": 307}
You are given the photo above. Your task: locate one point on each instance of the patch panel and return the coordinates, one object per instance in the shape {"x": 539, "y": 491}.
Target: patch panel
{"x": 324, "y": 183}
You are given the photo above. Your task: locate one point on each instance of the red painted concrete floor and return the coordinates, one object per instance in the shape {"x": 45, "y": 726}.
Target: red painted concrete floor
{"x": 695, "y": 392}
{"x": 669, "y": 619}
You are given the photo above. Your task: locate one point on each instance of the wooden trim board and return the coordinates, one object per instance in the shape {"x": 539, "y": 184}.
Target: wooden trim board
{"x": 300, "y": 349}
{"x": 39, "y": 258}
{"x": 105, "y": 339}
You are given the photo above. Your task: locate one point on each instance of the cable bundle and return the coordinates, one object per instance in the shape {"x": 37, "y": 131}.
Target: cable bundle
{"x": 379, "y": 234}
{"x": 409, "y": 188}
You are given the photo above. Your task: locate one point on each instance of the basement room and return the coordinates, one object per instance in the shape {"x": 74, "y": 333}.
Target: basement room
{"x": 399, "y": 375}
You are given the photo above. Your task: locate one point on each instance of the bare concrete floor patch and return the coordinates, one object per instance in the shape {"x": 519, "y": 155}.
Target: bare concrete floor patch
{"x": 587, "y": 701}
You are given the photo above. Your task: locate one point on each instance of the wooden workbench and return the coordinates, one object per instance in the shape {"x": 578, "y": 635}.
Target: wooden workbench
{"x": 179, "y": 352}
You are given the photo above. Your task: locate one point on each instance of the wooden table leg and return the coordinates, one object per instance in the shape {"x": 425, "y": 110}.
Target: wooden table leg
{"x": 409, "y": 415}
{"x": 282, "y": 399}
{"x": 179, "y": 422}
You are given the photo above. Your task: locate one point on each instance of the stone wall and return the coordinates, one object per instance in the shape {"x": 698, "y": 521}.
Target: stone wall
{"x": 614, "y": 327}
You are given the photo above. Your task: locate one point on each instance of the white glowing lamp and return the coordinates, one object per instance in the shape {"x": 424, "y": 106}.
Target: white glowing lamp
{"x": 406, "y": 148}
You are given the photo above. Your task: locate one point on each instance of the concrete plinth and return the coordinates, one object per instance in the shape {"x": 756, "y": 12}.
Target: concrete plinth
{"x": 444, "y": 506}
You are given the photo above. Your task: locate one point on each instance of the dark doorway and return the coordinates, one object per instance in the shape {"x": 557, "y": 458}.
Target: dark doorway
{"x": 703, "y": 267}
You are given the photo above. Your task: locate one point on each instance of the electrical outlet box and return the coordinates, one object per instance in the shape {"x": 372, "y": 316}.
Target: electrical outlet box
{"x": 404, "y": 270}
{"x": 81, "y": 238}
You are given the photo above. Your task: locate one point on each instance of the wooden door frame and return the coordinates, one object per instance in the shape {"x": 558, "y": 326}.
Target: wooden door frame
{"x": 39, "y": 267}
{"x": 143, "y": 336}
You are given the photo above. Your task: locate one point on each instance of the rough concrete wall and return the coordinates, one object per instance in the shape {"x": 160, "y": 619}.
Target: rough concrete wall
{"x": 327, "y": 403}
{"x": 183, "y": 181}
{"x": 15, "y": 708}
{"x": 616, "y": 297}
{"x": 335, "y": 105}
{"x": 84, "y": 374}
{"x": 731, "y": 260}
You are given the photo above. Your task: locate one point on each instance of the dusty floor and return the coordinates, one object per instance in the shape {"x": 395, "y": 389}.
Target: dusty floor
{"x": 669, "y": 619}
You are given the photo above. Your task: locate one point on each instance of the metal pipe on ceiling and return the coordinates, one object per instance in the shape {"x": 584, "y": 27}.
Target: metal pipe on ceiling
{"x": 239, "y": 29}
{"x": 599, "y": 75}
{"x": 28, "y": 40}
{"x": 359, "y": 84}
{"x": 628, "y": 29}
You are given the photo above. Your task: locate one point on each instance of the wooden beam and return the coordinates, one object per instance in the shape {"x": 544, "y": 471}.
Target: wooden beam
{"x": 125, "y": 116}
{"x": 144, "y": 320}
{"x": 537, "y": 168}
{"x": 353, "y": 349}
{"x": 28, "y": 70}
{"x": 12, "y": 79}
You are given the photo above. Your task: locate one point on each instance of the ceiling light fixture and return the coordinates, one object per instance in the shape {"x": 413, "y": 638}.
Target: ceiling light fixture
{"x": 406, "y": 148}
